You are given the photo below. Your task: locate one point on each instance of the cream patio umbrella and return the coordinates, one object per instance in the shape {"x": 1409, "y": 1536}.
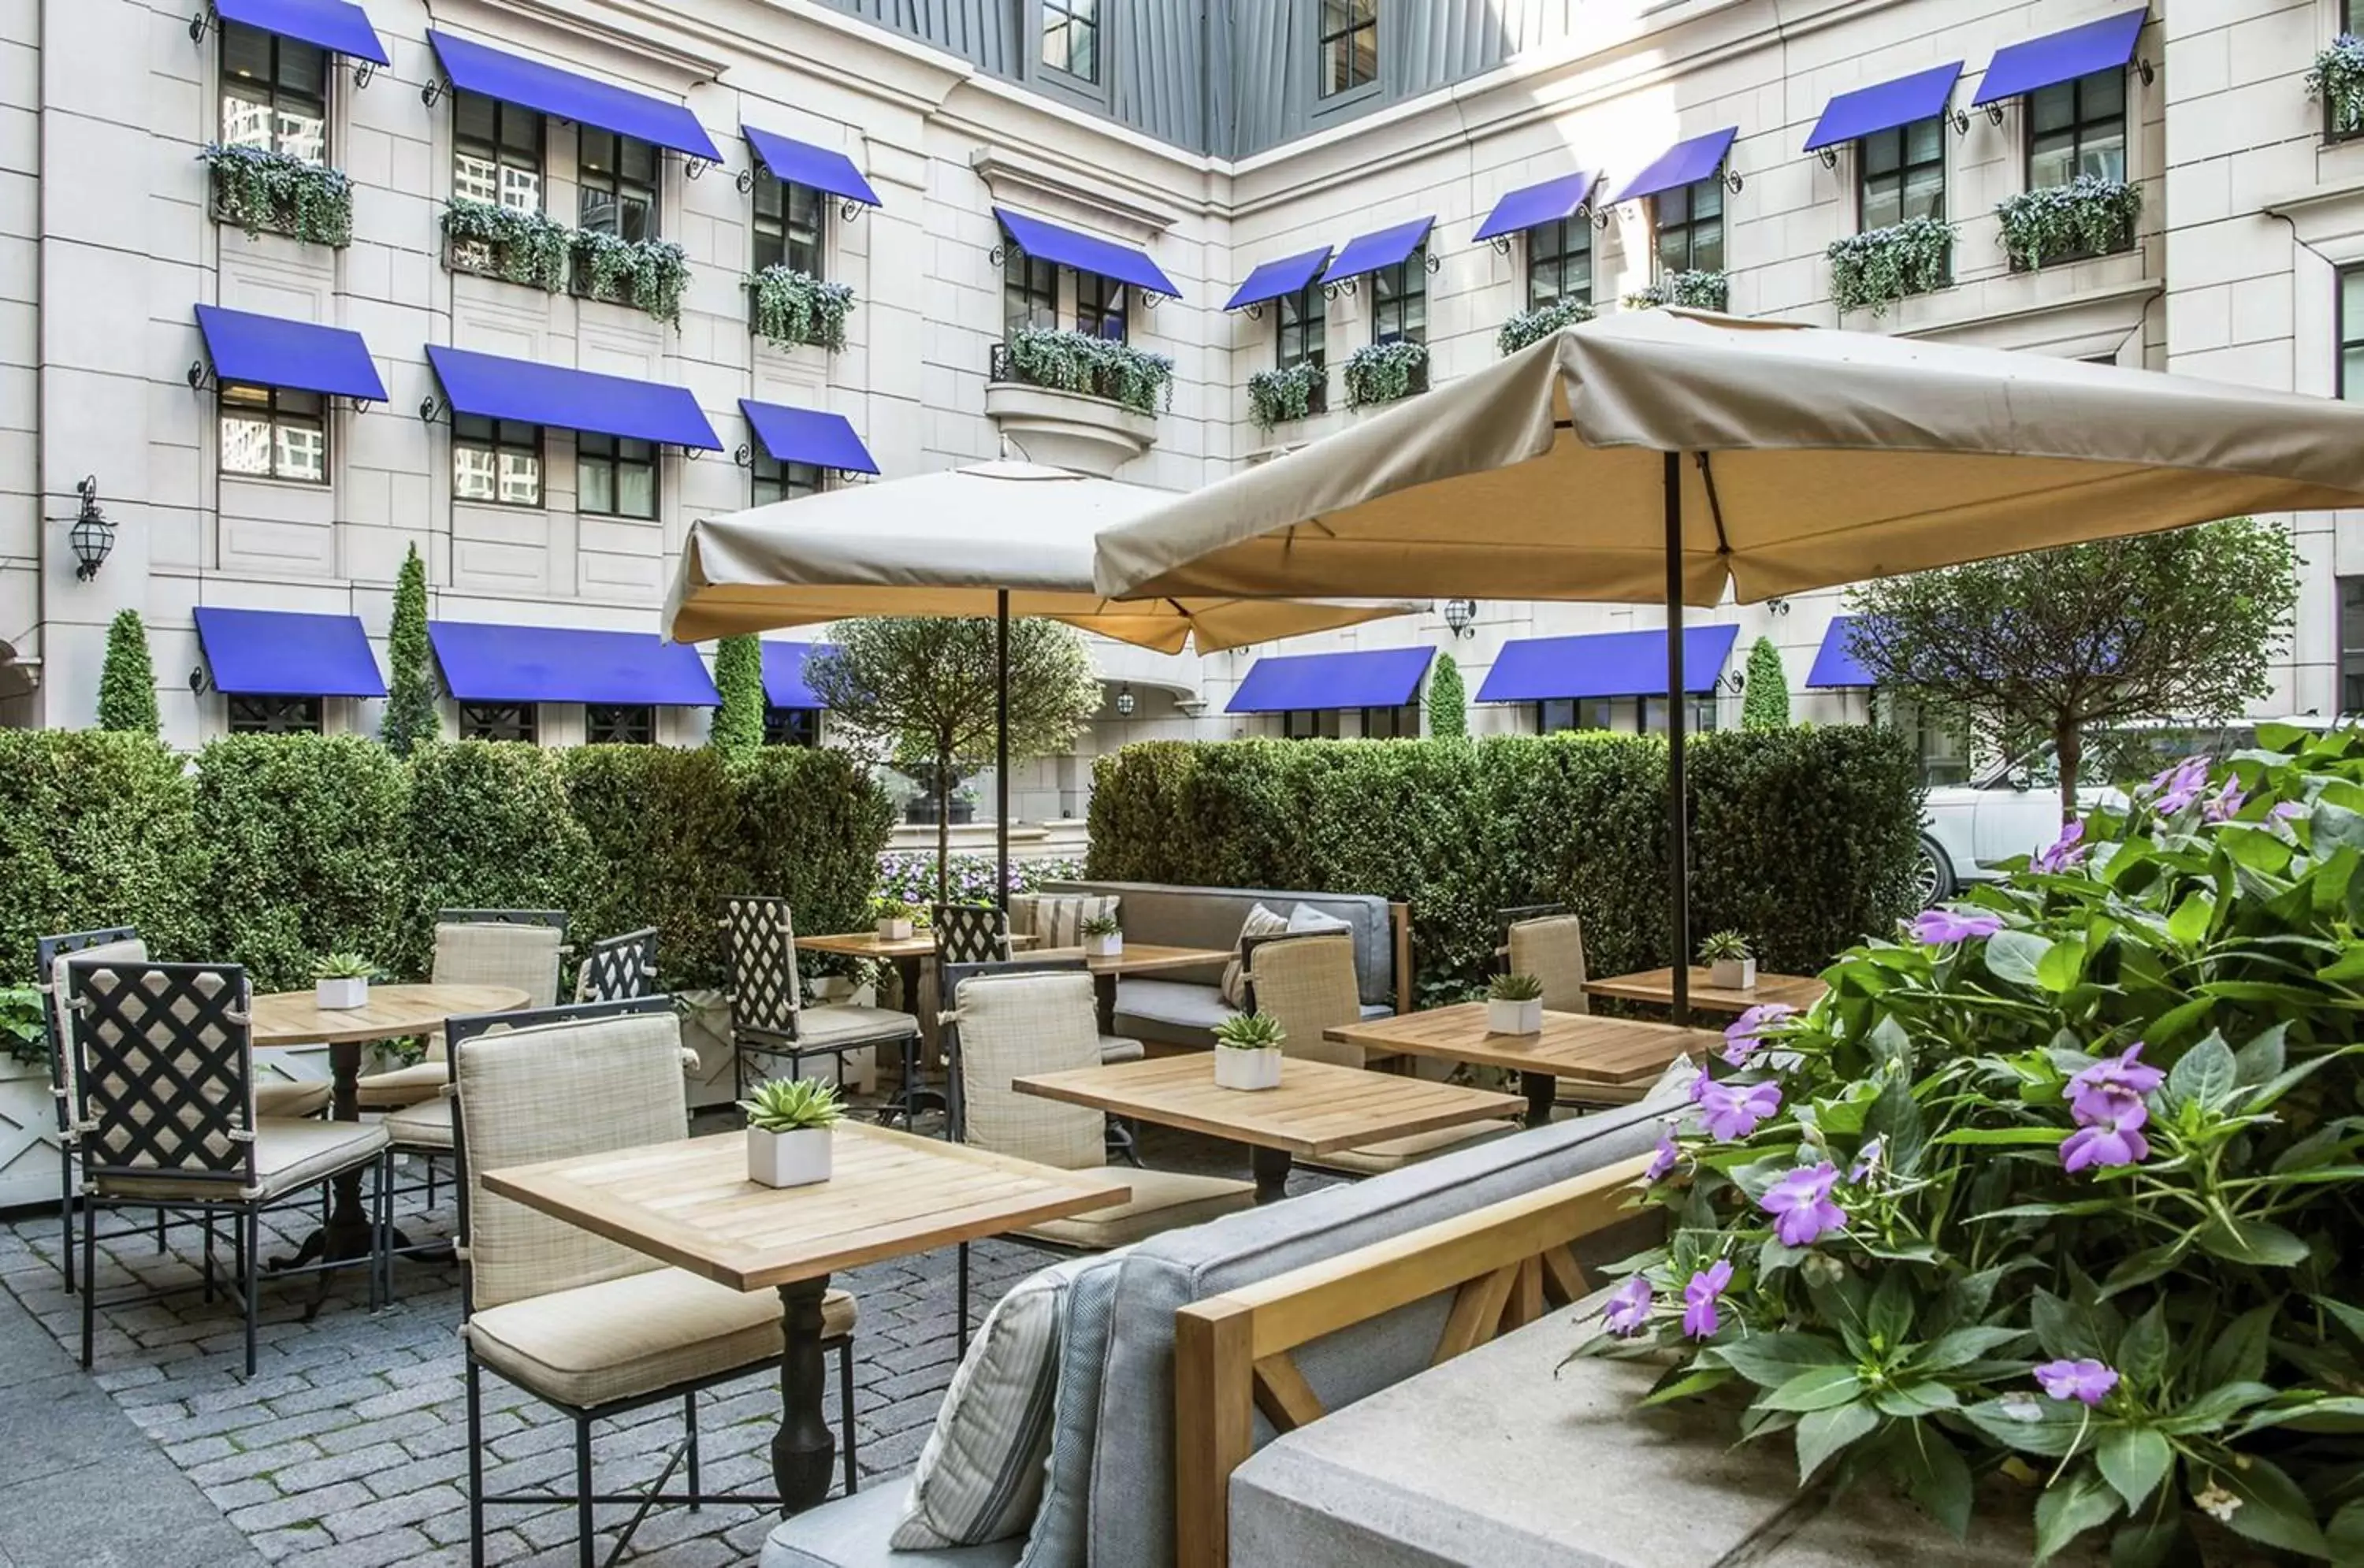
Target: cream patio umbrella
{"x": 1672, "y": 456}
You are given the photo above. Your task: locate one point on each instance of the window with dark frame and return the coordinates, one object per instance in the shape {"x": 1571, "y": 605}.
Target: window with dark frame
{"x": 772, "y": 480}
{"x": 1903, "y": 174}
{"x": 2076, "y": 128}
{"x": 1310, "y": 724}
{"x": 2351, "y": 647}
{"x": 1400, "y": 300}
{"x": 619, "y": 724}
{"x": 1559, "y": 262}
{"x": 1699, "y": 714}
{"x": 496, "y": 152}
{"x": 1348, "y": 45}
{"x": 496, "y": 460}
{"x": 275, "y": 716}
{"x": 791, "y": 221}
{"x": 500, "y": 721}
{"x": 274, "y": 433}
{"x": 617, "y": 181}
{"x": 274, "y": 92}
{"x": 1030, "y": 291}
{"x": 1690, "y": 222}
{"x": 615, "y": 476}
{"x": 1392, "y": 723}
{"x": 1557, "y": 716}
{"x": 1070, "y": 37}
{"x": 2349, "y": 372}
{"x": 791, "y": 727}
{"x": 1099, "y": 306}
{"x": 1299, "y": 339}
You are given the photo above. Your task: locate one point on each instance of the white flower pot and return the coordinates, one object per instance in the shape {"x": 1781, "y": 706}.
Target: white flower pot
{"x": 1237, "y": 1069}
{"x": 1514, "y": 1017}
{"x": 798, "y": 1159}
{"x": 1104, "y": 947}
{"x": 894, "y": 930}
{"x": 340, "y": 996}
{"x": 1732, "y": 975}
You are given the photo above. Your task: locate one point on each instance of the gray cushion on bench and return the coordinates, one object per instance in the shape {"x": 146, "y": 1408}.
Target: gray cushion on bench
{"x": 851, "y": 1532}
{"x": 1059, "y": 1537}
{"x": 1165, "y": 916}
{"x": 1176, "y": 1012}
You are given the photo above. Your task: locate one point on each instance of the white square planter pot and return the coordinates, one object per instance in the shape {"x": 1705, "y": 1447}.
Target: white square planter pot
{"x": 1514, "y": 1017}
{"x": 894, "y": 930}
{"x": 798, "y": 1159}
{"x": 1732, "y": 975}
{"x": 1237, "y": 1069}
{"x": 1104, "y": 947}
{"x": 340, "y": 996}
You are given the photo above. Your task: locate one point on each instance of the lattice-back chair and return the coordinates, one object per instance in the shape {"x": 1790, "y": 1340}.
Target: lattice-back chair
{"x": 583, "y": 1324}
{"x": 618, "y": 969}
{"x": 524, "y": 949}
{"x": 769, "y": 1016}
{"x": 971, "y": 933}
{"x": 1547, "y": 942}
{"x": 164, "y": 1119}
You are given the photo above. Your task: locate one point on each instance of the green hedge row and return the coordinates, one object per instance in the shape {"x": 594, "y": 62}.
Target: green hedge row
{"x": 1804, "y": 840}
{"x": 272, "y": 850}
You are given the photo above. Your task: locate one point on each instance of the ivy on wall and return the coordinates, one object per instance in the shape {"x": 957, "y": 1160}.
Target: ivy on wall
{"x": 794, "y": 308}
{"x": 1534, "y": 326}
{"x": 2086, "y": 217}
{"x": 1873, "y": 270}
{"x": 1382, "y": 372}
{"x": 1276, "y": 398}
{"x": 263, "y": 191}
{"x": 1098, "y": 367}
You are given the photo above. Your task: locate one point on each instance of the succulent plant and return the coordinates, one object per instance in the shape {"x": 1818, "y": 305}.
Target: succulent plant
{"x": 793, "y": 1105}
{"x": 1250, "y": 1031}
{"x": 1101, "y": 925}
{"x": 1724, "y": 946}
{"x": 342, "y": 966}
{"x": 1515, "y": 988}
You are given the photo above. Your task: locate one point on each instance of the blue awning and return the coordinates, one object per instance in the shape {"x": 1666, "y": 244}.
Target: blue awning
{"x": 1084, "y": 252}
{"x": 262, "y": 350}
{"x": 1605, "y": 664}
{"x": 2105, "y": 45}
{"x": 784, "y": 675}
{"x": 1834, "y": 662}
{"x": 337, "y": 25}
{"x": 807, "y": 435}
{"x": 1869, "y": 110}
{"x": 1369, "y": 252}
{"x": 1382, "y": 677}
{"x": 536, "y": 394}
{"x": 1684, "y": 164}
{"x": 277, "y": 653}
{"x": 821, "y": 168}
{"x": 562, "y": 94}
{"x": 553, "y": 663}
{"x": 1274, "y": 279}
{"x": 1531, "y": 204}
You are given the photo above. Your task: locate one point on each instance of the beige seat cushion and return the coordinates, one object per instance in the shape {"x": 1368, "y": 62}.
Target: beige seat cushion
{"x": 288, "y": 1157}
{"x": 1162, "y": 1200}
{"x": 598, "y": 1343}
{"x": 1378, "y": 1158}
{"x": 1115, "y": 1048}
{"x": 849, "y": 1024}
{"x": 403, "y": 1086}
{"x": 427, "y": 1125}
{"x": 287, "y": 1098}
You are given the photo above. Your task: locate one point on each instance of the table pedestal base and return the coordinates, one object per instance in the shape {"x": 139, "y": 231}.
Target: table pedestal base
{"x": 804, "y": 1451}
{"x": 1271, "y": 1167}
{"x": 1542, "y": 1090}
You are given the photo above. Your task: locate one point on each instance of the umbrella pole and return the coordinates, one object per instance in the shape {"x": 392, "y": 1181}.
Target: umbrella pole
{"x": 1001, "y": 751}
{"x": 1678, "y": 823}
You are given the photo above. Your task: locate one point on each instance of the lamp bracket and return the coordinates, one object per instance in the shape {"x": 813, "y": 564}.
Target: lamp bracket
{"x": 2143, "y": 69}
{"x": 1433, "y": 263}
{"x": 1959, "y": 119}
{"x": 201, "y": 376}
{"x": 364, "y": 73}
{"x": 696, "y": 168}
{"x": 1732, "y": 180}
{"x": 749, "y": 175}
{"x": 204, "y": 22}
{"x": 849, "y": 209}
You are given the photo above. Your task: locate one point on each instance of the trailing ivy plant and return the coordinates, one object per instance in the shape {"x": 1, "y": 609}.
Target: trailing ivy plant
{"x": 647, "y": 274}
{"x": 1691, "y": 291}
{"x": 1098, "y": 367}
{"x": 1275, "y": 398}
{"x": 259, "y": 189}
{"x": 2337, "y": 78}
{"x": 794, "y": 308}
{"x": 1382, "y": 372}
{"x": 529, "y": 248}
{"x": 1872, "y": 270}
{"x": 2086, "y": 217}
{"x": 1534, "y": 326}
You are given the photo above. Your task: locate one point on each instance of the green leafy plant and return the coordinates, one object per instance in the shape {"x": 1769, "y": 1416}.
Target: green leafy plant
{"x": 1250, "y": 1031}
{"x": 342, "y": 966}
{"x": 23, "y": 1035}
{"x": 1765, "y": 695}
{"x": 1873, "y": 270}
{"x": 96, "y": 831}
{"x": 1515, "y": 988}
{"x": 1448, "y": 700}
{"x": 1101, "y": 925}
{"x": 1691, "y": 291}
{"x": 258, "y": 188}
{"x": 1725, "y": 947}
{"x": 794, "y": 308}
{"x": 650, "y": 275}
{"x": 126, "y": 679}
{"x": 2063, "y": 1181}
{"x": 739, "y": 677}
{"x": 2086, "y": 217}
{"x": 2337, "y": 78}
{"x": 1382, "y": 372}
{"x": 1095, "y": 366}
{"x": 1534, "y": 326}
{"x": 410, "y": 715}
{"x": 529, "y": 248}
{"x": 793, "y": 1105}
{"x": 1276, "y": 398}
{"x": 883, "y": 908}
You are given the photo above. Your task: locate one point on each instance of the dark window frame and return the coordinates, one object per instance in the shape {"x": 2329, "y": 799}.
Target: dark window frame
{"x": 621, "y": 188}
{"x": 520, "y": 721}
{"x": 1901, "y": 176}
{"x": 792, "y": 726}
{"x": 1701, "y": 710}
{"x": 277, "y": 715}
{"x": 502, "y": 438}
{"x": 2348, "y": 332}
{"x": 617, "y": 455}
{"x": 2350, "y": 624}
{"x": 274, "y": 95}
{"x": 1030, "y": 291}
{"x": 273, "y": 414}
{"x": 1399, "y": 723}
{"x": 500, "y": 152}
{"x": 2081, "y": 126}
{"x": 1690, "y": 226}
{"x": 1310, "y": 724}
{"x": 1301, "y": 336}
{"x": 770, "y": 480}
{"x": 1395, "y": 289}
{"x": 619, "y": 724}
{"x": 1556, "y": 262}
{"x": 783, "y": 208}
{"x": 1071, "y": 20}
{"x": 1336, "y": 23}
{"x": 1100, "y": 302}
{"x": 1577, "y": 709}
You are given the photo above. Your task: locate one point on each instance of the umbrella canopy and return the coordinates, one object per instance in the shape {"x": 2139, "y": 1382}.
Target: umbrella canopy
{"x": 951, "y": 544}
{"x": 1813, "y": 458}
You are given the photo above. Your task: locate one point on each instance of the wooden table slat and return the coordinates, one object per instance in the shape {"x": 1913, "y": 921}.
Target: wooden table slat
{"x": 291, "y": 1018}
{"x": 1656, "y": 987}
{"x": 1575, "y": 1046}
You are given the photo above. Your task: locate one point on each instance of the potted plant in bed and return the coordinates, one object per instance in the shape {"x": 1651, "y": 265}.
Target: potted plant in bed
{"x": 340, "y": 981}
{"x": 1731, "y": 966}
{"x": 1103, "y": 938}
{"x": 1514, "y": 1004}
{"x": 895, "y": 920}
{"x": 788, "y": 1136}
{"x": 1247, "y": 1052}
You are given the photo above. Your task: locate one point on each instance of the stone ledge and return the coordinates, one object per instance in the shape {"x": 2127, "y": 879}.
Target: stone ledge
{"x": 1069, "y": 429}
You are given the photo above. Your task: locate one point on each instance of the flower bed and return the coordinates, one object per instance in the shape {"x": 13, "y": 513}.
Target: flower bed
{"x": 1382, "y": 372}
{"x": 1872, "y": 270}
{"x": 261, "y": 190}
{"x": 1692, "y": 291}
{"x": 1534, "y": 326}
{"x": 2088, "y": 217}
{"x": 1275, "y": 398}
{"x": 910, "y": 878}
{"x": 793, "y": 307}
{"x": 1097, "y": 367}
{"x": 2337, "y": 78}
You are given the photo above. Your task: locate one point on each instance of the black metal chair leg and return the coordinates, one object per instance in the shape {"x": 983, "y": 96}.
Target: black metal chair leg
{"x": 250, "y": 1222}
{"x": 89, "y": 1277}
{"x": 476, "y": 1467}
{"x": 66, "y": 1217}
{"x": 962, "y": 1321}
{"x": 205, "y": 1268}
{"x": 583, "y": 1543}
{"x": 160, "y": 1232}
{"x": 689, "y": 1424}
{"x": 846, "y": 1409}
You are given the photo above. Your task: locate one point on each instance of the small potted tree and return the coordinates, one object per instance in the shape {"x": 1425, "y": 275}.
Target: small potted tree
{"x": 1247, "y": 1052}
{"x": 340, "y": 983}
{"x": 1731, "y": 966}
{"x": 1514, "y": 1004}
{"x": 788, "y": 1137}
{"x": 894, "y": 918}
{"x": 1103, "y": 938}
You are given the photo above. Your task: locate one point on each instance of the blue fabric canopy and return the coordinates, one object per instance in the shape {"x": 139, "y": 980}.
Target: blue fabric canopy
{"x": 262, "y": 350}
{"x": 807, "y": 435}
{"x": 1834, "y": 662}
{"x": 533, "y": 394}
{"x": 784, "y": 675}
{"x": 2105, "y": 45}
{"x": 1604, "y": 664}
{"x": 1684, "y": 164}
{"x": 802, "y": 163}
{"x": 277, "y": 653}
{"x": 1532, "y": 204}
{"x": 1086, "y": 252}
{"x": 1381, "y": 677}
{"x": 1869, "y": 110}
{"x": 1274, "y": 279}
{"x": 553, "y": 663}
{"x": 1369, "y": 252}
{"x": 337, "y": 25}
{"x": 585, "y": 100}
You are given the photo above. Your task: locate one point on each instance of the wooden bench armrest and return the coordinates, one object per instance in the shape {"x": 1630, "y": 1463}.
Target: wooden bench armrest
{"x": 1400, "y": 929}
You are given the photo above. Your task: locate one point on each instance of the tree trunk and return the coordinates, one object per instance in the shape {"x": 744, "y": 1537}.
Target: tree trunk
{"x": 943, "y": 829}
{"x": 2068, "y": 744}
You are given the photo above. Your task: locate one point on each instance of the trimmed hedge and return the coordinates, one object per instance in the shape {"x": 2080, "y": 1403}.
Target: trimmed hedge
{"x": 95, "y": 830}
{"x": 1803, "y": 839}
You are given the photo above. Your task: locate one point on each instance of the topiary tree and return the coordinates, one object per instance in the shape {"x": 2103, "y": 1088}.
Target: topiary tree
{"x": 1448, "y": 700}
{"x": 1765, "y": 701}
{"x": 410, "y": 715}
{"x": 126, "y": 680}
{"x": 739, "y": 672}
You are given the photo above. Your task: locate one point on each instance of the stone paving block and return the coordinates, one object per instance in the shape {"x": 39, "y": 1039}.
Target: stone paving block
{"x": 310, "y": 1506}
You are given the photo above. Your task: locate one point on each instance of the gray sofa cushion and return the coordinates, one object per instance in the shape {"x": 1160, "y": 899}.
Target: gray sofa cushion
{"x": 1210, "y": 917}
{"x": 1057, "y": 1539}
{"x": 853, "y": 1532}
{"x": 1176, "y": 1012}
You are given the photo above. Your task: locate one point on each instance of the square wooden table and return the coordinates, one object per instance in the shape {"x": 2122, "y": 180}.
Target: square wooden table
{"x": 1137, "y": 958}
{"x": 1319, "y": 1108}
{"x": 891, "y": 1195}
{"x": 1656, "y": 987}
{"x": 1609, "y": 1051}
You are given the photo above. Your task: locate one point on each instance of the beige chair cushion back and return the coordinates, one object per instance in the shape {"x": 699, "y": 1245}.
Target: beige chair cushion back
{"x": 131, "y": 951}
{"x": 1552, "y": 949}
{"x": 1012, "y": 1025}
{"x": 1307, "y": 983}
{"x": 554, "y": 1093}
{"x": 525, "y": 957}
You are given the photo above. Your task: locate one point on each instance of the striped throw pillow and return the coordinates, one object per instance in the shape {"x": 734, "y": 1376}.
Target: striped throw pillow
{"x": 1059, "y": 916}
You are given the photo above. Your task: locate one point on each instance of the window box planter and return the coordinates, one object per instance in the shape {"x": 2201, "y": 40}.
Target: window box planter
{"x": 1691, "y": 291}
{"x": 2337, "y": 78}
{"x": 1875, "y": 269}
{"x": 1383, "y": 373}
{"x": 1075, "y": 401}
{"x": 28, "y": 1132}
{"x": 262, "y": 191}
{"x": 649, "y": 275}
{"x": 1534, "y": 326}
{"x": 788, "y": 308}
{"x": 1276, "y": 398}
{"x": 2074, "y": 222}
{"x": 528, "y": 248}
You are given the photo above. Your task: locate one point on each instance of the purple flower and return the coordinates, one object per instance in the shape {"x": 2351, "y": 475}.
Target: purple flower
{"x": 2112, "y": 1090}
{"x": 2106, "y": 1144}
{"x": 2066, "y": 851}
{"x": 2288, "y": 810}
{"x": 1746, "y": 1035}
{"x": 1699, "y": 1318}
{"x": 1628, "y": 1312}
{"x": 2086, "y": 1379}
{"x": 1663, "y": 1163}
{"x": 1868, "y": 1160}
{"x": 1801, "y": 1203}
{"x": 1734, "y": 1112}
{"x": 2226, "y": 803}
{"x": 2179, "y": 786}
{"x": 1943, "y": 927}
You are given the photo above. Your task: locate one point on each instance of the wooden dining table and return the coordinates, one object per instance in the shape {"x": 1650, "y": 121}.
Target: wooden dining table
{"x": 689, "y": 1204}
{"x": 1134, "y": 958}
{"x": 1656, "y": 987}
{"x": 1607, "y": 1052}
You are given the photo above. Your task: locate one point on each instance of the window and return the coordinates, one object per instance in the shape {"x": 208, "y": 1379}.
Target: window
{"x": 1030, "y": 291}
{"x": 1349, "y": 51}
{"x": 1691, "y": 227}
{"x": 272, "y": 433}
{"x": 1099, "y": 306}
{"x": 1303, "y": 324}
{"x": 777, "y": 481}
{"x": 275, "y": 94}
{"x": 790, "y": 222}
{"x": 275, "y": 716}
{"x": 500, "y": 721}
{"x": 1903, "y": 173}
{"x": 1559, "y": 714}
{"x": 495, "y": 152}
{"x": 1699, "y": 715}
{"x": 1310, "y": 724}
{"x": 791, "y": 727}
{"x": 2078, "y": 128}
{"x": 617, "y": 177}
{"x": 1392, "y": 723}
{"x": 2351, "y": 646}
{"x": 1559, "y": 263}
{"x": 497, "y": 461}
{"x": 1400, "y": 300}
{"x": 2351, "y": 334}
{"x": 615, "y": 476}
{"x": 619, "y": 724}
{"x": 1070, "y": 37}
